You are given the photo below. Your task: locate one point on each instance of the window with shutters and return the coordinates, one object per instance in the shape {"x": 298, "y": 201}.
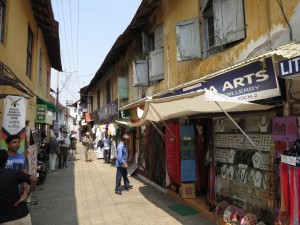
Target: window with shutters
{"x": 156, "y": 65}
{"x": 2, "y": 19}
{"x": 153, "y": 46}
{"x": 29, "y": 52}
{"x": 223, "y": 24}
{"x": 107, "y": 85}
{"x": 141, "y": 73}
{"x": 188, "y": 40}
{"x": 123, "y": 84}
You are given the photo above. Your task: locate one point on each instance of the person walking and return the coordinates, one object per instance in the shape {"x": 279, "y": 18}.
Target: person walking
{"x": 13, "y": 206}
{"x": 65, "y": 143}
{"x": 107, "y": 148}
{"x": 121, "y": 164}
{"x": 87, "y": 143}
{"x": 52, "y": 151}
{"x": 73, "y": 146}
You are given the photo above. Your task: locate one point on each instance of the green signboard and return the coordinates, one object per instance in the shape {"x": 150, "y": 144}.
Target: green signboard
{"x": 41, "y": 113}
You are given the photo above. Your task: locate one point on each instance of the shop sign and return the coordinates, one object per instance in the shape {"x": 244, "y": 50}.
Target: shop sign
{"x": 289, "y": 67}
{"x": 109, "y": 112}
{"x": 13, "y": 120}
{"x": 251, "y": 82}
{"x": 41, "y": 113}
{"x": 194, "y": 87}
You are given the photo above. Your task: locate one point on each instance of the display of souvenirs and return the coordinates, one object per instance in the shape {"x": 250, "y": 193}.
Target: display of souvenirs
{"x": 252, "y": 124}
{"x": 262, "y": 142}
{"x": 221, "y": 155}
{"x": 249, "y": 219}
{"x": 229, "y": 140}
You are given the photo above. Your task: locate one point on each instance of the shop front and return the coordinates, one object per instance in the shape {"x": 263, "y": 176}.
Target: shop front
{"x": 105, "y": 126}
{"x": 229, "y": 159}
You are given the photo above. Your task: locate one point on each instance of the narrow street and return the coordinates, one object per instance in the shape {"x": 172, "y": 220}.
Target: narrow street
{"x": 83, "y": 194}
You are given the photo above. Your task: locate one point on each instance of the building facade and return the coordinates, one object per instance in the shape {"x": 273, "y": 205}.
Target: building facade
{"x": 29, "y": 48}
{"x": 172, "y": 48}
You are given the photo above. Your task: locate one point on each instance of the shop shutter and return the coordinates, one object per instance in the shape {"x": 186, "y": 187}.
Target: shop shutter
{"x": 158, "y": 37}
{"x": 156, "y": 65}
{"x": 188, "y": 40}
{"x": 229, "y": 21}
{"x": 141, "y": 73}
{"x": 123, "y": 88}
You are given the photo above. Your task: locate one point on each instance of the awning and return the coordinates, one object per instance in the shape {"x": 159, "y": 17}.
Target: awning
{"x": 50, "y": 106}
{"x": 202, "y": 102}
{"x": 130, "y": 124}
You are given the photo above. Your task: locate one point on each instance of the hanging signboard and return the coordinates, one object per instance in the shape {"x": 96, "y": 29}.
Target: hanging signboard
{"x": 109, "y": 112}
{"x": 290, "y": 68}
{"x": 251, "y": 82}
{"x": 13, "y": 120}
{"x": 41, "y": 113}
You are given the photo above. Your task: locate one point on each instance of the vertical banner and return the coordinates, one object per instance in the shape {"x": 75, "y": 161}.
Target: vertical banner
{"x": 32, "y": 160}
{"x": 13, "y": 120}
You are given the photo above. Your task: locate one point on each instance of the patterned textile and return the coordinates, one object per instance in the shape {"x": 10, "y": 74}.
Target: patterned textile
{"x": 249, "y": 219}
{"x": 211, "y": 183}
{"x": 221, "y": 208}
{"x": 187, "y": 155}
{"x": 229, "y": 213}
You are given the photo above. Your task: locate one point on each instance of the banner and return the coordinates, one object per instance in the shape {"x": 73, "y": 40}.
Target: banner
{"x": 32, "y": 160}
{"x": 285, "y": 129}
{"x": 14, "y": 116}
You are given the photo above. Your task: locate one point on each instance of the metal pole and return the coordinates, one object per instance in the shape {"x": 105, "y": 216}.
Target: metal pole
{"x": 57, "y": 97}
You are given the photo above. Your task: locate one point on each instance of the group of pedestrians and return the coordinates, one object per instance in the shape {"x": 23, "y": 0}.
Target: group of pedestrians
{"x": 63, "y": 146}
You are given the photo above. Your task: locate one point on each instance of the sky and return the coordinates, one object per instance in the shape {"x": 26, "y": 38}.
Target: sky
{"x": 88, "y": 29}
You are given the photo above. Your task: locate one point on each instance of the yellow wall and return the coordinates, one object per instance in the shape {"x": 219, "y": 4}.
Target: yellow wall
{"x": 265, "y": 29}
{"x": 13, "y": 53}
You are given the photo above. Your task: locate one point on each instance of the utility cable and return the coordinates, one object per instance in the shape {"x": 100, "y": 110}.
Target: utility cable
{"x": 71, "y": 33}
{"x": 286, "y": 20}
{"x": 62, "y": 6}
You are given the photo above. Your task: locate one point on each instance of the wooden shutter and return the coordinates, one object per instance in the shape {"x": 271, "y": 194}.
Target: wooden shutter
{"x": 159, "y": 37}
{"x": 229, "y": 21}
{"x": 188, "y": 40}
{"x": 141, "y": 73}
{"x": 123, "y": 88}
{"x": 156, "y": 65}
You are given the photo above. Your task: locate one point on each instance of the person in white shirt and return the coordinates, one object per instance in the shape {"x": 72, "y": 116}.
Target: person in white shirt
{"x": 64, "y": 145}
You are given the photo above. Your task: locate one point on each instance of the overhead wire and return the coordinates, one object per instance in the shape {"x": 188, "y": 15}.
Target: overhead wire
{"x": 61, "y": 52}
{"x": 62, "y": 6}
{"x": 70, "y": 15}
{"x": 77, "y": 35}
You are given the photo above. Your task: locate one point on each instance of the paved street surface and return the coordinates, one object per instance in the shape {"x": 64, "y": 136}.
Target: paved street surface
{"x": 83, "y": 194}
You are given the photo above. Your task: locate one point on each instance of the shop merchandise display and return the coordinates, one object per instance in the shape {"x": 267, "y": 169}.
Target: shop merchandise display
{"x": 249, "y": 169}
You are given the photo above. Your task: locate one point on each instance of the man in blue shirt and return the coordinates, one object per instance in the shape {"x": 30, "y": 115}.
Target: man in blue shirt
{"x": 16, "y": 161}
{"x": 121, "y": 164}
{"x": 13, "y": 207}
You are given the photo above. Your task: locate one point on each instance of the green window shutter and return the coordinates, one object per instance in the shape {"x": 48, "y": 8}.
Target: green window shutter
{"x": 123, "y": 88}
